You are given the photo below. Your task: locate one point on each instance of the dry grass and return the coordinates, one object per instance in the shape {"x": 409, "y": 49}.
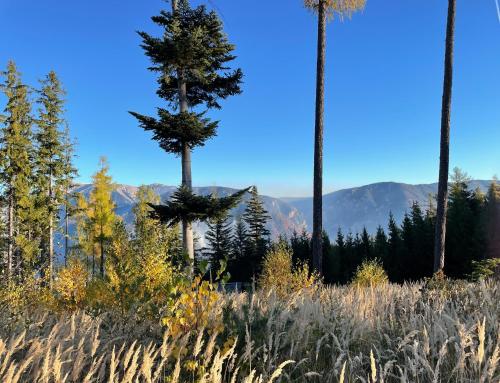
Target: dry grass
{"x": 339, "y": 334}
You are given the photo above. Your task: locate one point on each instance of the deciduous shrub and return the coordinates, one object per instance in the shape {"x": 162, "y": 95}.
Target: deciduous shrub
{"x": 280, "y": 274}
{"x": 370, "y": 273}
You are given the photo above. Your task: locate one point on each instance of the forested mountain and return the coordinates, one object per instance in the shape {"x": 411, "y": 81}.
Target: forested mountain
{"x": 349, "y": 209}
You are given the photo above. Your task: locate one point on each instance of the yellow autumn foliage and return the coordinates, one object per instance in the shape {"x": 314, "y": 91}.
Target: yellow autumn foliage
{"x": 70, "y": 287}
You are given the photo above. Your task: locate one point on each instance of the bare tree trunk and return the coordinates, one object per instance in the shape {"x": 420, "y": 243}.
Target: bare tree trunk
{"x": 187, "y": 229}
{"x": 66, "y": 229}
{"x": 51, "y": 233}
{"x": 101, "y": 244}
{"x": 317, "y": 240}
{"x": 444, "y": 158}
{"x": 10, "y": 248}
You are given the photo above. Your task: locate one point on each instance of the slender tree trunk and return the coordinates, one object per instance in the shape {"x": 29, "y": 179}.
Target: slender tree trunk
{"x": 10, "y": 248}
{"x": 93, "y": 260}
{"x": 51, "y": 233}
{"x": 101, "y": 243}
{"x": 317, "y": 240}
{"x": 444, "y": 158}
{"x": 187, "y": 229}
{"x": 66, "y": 228}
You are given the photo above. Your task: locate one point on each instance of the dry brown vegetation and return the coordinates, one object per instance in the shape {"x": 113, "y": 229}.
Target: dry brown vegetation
{"x": 388, "y": 333}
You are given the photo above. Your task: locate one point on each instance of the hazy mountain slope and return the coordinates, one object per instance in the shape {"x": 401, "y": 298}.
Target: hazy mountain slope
{"x": 350, "y": 209}
{"x": 369, "y": 206}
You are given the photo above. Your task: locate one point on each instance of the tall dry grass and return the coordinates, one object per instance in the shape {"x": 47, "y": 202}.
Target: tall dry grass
{"x": 388, "y": 333}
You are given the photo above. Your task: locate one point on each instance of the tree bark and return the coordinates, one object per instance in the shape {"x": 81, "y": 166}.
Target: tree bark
{"x": 187, "y": 228}
{"x": 10, "y": 248}
{"x": 444, "y": 158}
{"x": 101, "y": 244}
{"x": 317, "y": 240}
{"x": 66, "y": 229}
{"x": 51, "y": 233}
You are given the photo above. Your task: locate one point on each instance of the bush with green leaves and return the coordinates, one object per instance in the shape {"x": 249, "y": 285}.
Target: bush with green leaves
{"x": 370, "y": 273}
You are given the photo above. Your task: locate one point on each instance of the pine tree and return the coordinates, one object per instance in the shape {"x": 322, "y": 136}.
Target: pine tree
{"x": 96, "y": 217}
{"x": 323, "y": 8}
{"x": 16, "y": 154}
{"x": 69, "y": 173}
{"x": 50, "y": 162}
{"x": 444, "y": 157}
{"x": 191, "y": 59}
{"x": 256, "y": 218}
{"x": 395, "y": 245}
{"x": 380, "y": 245}
{"x": 220, "y": 239}
{"x": 493, "y": 220}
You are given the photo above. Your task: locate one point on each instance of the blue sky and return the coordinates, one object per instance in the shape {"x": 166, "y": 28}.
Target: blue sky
{"x": 384, "y": 85}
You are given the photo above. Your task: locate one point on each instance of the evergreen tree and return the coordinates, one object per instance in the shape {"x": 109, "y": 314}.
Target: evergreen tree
{"x": 220, "y": 240}
{"x": 395, "y": 245}
{"x": 51, "y": 166}
{"x": 323, "y": 8}
{"x": 16, "y": 154}
{"x": 301, "y": 247}
{"x": 366, "y": 245}
{"x": 380, "y": 245}
{"x": 191, "y": 59}
{"x": 240, "y": 240}
{"x": 465, "y": 227}
{"x": 256, "y": 218}
{"x": 444, "y": 157}
{"x": 493, "y": 220}
{"x": 69, "y": 173}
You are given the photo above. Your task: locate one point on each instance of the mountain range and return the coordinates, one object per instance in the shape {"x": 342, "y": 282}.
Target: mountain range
{"x": 349, "y": 209}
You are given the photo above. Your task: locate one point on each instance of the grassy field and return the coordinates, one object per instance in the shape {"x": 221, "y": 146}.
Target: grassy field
{"x": 389, "y": 333}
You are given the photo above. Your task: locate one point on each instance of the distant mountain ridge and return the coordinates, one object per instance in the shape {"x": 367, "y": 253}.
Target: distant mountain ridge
{"x": 349, "y": 209}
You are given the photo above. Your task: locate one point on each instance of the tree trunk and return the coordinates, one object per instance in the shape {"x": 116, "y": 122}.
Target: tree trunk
{"x": 101, "y": 244}
{"x": 444, "y": 158}
{"x": 10, "y": 248}
{"x": 51, "y": 233}
{"x": 66, "y": 229}
{"x": 187, "y": 229}
{"x": 317, "y": 240}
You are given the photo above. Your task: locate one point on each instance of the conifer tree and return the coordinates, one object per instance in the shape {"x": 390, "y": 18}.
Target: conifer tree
{"x": 191, "y": 59}
{"x": 324, "y": 8}
{"x": 256, "y": 218}
{"x": 69, "y": 173}
{"x": 395, "y": 244}
{"x": 50, "y": 162}
{"x": 16, "y": 155}
{"x": 444, "y": 156}
{"x": 493, "y": 220}
{"x": 102, "y": 207}
{"x": 240, "y": 240}
{"x": 96, "y": 217}
{"x": 220, "y": 239}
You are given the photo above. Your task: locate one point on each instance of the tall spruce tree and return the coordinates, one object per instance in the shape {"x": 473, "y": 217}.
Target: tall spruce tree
{"x": 191, "y": 59}
{"x": 220, "y": 240}
{"x": 256, "y": 218}
{"x": 324, "y": 8}
{"x": 444, "y": 156}
{"x": 493, "y": 220}
{"x": 16, "y": 156}
{"x": 69, "y": 173}
{"x": 51, "y": 166}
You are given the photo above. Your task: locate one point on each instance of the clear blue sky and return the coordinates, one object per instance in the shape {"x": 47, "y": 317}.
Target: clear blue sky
{"x": 384, "y": 85}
